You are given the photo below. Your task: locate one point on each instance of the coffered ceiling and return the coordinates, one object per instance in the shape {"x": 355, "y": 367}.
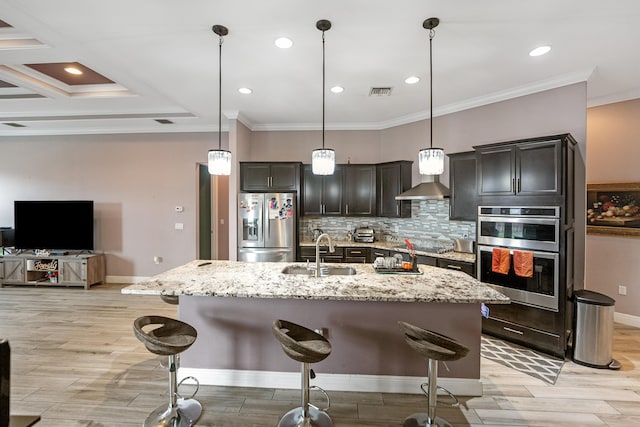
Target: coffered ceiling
{"x": 152, "y": 65}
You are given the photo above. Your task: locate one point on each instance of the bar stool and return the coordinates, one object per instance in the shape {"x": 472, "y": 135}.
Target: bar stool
{"x": 435, "y": 347}
{"x": 170, "y": 299}
{"x": 305, "y": 346}
{"x": 169, "y": 337}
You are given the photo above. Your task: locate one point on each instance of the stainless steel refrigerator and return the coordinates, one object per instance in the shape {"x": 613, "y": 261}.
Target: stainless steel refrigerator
{"x": 266, "y": 227}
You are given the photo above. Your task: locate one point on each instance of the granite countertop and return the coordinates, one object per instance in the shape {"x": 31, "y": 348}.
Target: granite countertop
{"x": 398, "y": 247}
{"x": 266, "y": 280}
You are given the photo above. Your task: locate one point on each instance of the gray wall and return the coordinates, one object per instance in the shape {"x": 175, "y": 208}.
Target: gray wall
{"x": 135, "y": 181}
{"x": 613, "y": 133}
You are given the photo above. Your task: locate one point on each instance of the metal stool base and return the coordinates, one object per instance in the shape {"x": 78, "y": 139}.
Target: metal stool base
{"x": 422, "y": 420}
{"x": 185, "y": 414}
{"x": 295, "y": 418}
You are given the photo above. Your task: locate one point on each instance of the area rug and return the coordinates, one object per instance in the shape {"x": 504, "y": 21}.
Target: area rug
{"x": 538, "y": 365}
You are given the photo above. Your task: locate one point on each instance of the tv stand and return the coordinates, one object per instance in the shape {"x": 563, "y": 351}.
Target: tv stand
{"x": 53, "y": 270}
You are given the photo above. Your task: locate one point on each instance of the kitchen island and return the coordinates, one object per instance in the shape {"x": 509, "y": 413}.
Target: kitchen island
{"x": 233, "y": 304}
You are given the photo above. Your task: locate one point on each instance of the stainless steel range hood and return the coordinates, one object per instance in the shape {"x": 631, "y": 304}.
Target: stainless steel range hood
{"x": 430, "y": 188}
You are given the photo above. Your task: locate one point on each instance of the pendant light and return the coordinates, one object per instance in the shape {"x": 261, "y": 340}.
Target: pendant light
{"x": 220, "y": 160}
{"x": 323, "y": 160}
{"x": 431, "y": 160}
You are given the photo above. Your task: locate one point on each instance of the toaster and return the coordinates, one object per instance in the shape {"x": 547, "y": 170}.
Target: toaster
{"x": 364, "y": 235}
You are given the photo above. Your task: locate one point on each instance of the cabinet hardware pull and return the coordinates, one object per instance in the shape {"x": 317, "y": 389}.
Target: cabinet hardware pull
{"x": 356, "y": 252}
{"x": 346, "y": 209}
{"x": 398, "y": 208}
{"x": 513, "y": 185}
{"x": 519, "y": 186}
{"x": 513, "y": 330}
{"x": 454, "y": 267}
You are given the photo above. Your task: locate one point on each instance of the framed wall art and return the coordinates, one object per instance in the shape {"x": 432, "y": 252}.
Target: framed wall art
{"x": 614, "y": 208}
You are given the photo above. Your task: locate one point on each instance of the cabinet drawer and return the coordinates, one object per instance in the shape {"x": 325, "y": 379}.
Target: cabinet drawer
{"x": 355, "y": 259}
{"x": 465, "y": 267}
{"x": 309, "y": 253}
{"x": 529, "y": 337}
{"x": 356, "y": 252}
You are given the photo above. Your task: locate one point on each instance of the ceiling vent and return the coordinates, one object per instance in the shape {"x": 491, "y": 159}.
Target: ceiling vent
{"x": 15, "y": 125}
{"x": 380, "y": 91}
{"x": 164, "y": 121}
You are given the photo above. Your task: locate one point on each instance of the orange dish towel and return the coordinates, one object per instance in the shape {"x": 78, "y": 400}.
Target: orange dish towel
{"x": 523, "y": 263}
{"x": 500, "y": 261}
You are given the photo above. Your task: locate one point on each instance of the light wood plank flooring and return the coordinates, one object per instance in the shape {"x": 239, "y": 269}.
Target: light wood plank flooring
{"x": 76, "y": 362}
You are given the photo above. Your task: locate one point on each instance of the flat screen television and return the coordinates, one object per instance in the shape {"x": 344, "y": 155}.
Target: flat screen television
{"x": 54, "y": 224}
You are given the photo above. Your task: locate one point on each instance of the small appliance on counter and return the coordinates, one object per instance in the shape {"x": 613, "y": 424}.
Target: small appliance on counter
{"x": 364, "y": 235}
{"x": 316, "y": 233}
{"x": 466, "y": 246}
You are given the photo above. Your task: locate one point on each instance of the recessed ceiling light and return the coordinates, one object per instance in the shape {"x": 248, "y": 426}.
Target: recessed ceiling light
{"x": 245, "y": 90}
{"x": 540, "y": 50}
{"x": 283, "y": 43}
{"x": 73, "y": 70}
{"x": 337, "y": 89}
{"x": 412, "y": 80}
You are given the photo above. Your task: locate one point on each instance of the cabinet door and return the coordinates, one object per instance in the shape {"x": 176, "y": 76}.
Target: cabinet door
{"x": 496, "y": 171}
{"x": 462, "y": 184}
{"x": 72, "y": 271}
{"x": 284, "y": 176}
{"x": 269, "y": 176}
{"x": 538, "y": 168}
{"x": 332, "y": 196}
{"x": 12, "y": 270}
{"x": 311, "y": 192}
{"x": 254, "y": 176}
{"x": 360, "y": 190}
{"x": 391, "y": 180}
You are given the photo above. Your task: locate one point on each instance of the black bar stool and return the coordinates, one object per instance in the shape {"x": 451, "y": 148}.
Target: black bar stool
{"x": 435, "y": 347}
{"x": 169, "y": 337}
{"x": 305, "y": 346}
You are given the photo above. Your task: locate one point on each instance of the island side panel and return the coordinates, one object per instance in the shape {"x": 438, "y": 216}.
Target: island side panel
{"x": 235, "y": 333}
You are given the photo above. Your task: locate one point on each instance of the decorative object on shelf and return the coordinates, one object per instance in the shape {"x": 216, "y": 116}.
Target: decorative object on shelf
{"x": 52, "y": 276}
{"x": 431, "y": 160}
{"x": 323, "y": 160}
{"x": 613, "y": 208}
{"x": 219, "y": 159}
{"x": 46, "y": 265}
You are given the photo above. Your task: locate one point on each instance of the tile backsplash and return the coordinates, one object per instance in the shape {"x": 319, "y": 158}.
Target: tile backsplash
{"x": 429, "y": 225}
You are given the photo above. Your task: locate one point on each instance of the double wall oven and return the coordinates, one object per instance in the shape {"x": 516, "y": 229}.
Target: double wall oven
{"x": 536, "y": 230}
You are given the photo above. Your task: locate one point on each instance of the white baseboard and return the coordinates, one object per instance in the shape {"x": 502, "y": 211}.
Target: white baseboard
{"x": 333, "y": 382}
{"x": 627, "y": 319}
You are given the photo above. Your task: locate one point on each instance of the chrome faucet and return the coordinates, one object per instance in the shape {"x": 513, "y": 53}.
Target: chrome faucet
{"x": 331, "y": 249}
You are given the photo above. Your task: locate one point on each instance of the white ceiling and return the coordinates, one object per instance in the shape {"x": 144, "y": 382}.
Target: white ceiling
{"x": 164, "y": 58}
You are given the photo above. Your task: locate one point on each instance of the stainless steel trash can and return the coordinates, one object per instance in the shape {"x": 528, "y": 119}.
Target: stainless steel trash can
{"x": 593, "y": 330}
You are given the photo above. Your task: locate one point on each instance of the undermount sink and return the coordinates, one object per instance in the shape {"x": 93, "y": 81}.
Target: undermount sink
{"x": 324, "y": 270}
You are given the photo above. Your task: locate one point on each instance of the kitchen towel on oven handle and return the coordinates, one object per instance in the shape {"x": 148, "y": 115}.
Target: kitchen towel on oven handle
{"x": 523, "y": 263}
{"x": 500, "y": 260}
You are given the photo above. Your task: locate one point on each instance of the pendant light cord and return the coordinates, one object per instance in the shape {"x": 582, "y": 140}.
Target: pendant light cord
{"x": 323, "y": 89}
{"x": 220, "y": 93}
{"x": 431, "y": 34}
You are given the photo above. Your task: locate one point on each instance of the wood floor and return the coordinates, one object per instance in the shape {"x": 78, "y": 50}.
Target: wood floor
{"x": 76, "y": 362}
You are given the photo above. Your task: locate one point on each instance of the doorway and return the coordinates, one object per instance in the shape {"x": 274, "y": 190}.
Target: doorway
{"x": 213, "y": 215}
